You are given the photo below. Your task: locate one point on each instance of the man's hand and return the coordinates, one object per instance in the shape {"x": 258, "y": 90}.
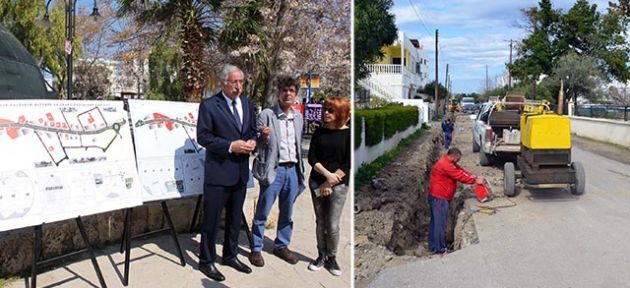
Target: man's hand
{"x": 252, "y": 144}
{"x": 242, "y": 147}
{"x": 265, "y": 132}
{"x": 479, "y": 180}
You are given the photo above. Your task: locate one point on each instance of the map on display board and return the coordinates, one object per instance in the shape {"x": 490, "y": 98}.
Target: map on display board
{"x": 170, "y": 162}
{"x": 63, "y": 159}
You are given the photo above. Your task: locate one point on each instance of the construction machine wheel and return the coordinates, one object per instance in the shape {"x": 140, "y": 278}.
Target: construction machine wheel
{"x": 476, "y": 147}
{"x": 578, "y": 187}
{"x": 509, "y": 180}
{"x": 484, "y": 159}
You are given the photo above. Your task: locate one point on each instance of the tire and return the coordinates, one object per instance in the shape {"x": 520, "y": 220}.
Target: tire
{"x": 509, "y": 180}
{"x": 580, "y": 179}
{"x": 476, "y": 147}
{"x": 484, "y": 159}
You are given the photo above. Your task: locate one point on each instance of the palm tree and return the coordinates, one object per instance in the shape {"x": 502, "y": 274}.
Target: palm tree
{"x": 195, "y": 23}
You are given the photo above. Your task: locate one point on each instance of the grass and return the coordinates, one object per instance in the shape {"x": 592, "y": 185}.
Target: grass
{"x": 367, "y": 171}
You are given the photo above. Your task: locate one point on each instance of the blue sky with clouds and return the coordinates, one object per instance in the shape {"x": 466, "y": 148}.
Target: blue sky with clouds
{"x": 472, "y": 34}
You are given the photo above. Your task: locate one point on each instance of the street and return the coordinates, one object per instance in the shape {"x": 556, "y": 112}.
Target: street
{"x": 550, "y": 239}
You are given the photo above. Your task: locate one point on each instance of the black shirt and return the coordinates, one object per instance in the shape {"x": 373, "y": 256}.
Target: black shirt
{"x": 331, "y": 148}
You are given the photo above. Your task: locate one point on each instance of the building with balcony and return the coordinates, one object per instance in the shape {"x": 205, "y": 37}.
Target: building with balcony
{"x": 403, "y": 69}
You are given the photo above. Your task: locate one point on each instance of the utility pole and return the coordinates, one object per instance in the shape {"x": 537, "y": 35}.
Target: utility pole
{"x": 437, "y": 107}
{"x": 487, "y": 85}
{"x": 510, "y": 68}
{"x": 448, "y": 91}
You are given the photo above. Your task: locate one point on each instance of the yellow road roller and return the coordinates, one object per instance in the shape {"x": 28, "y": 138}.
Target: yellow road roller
{"x": 545, "y": 157}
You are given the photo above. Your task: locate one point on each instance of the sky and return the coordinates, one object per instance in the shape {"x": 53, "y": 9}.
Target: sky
{"x": 472, "y": 34}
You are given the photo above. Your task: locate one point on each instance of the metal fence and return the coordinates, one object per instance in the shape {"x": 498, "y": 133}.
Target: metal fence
{"x": 604, "y": 111}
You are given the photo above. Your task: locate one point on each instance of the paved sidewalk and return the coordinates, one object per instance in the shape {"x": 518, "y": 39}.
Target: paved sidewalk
{"x": 154, "y": 262}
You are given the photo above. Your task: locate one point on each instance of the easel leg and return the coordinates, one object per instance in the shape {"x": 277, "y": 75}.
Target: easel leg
{"x": 127, "y": 244}
{"x": 173, "y": 233}
{"x": 92, "y": 256}
{"x": 193, "y": 222}
{"x": 247, "y": 231}
{"x": 124, "y": 235}
{"x": 37, "y": 241}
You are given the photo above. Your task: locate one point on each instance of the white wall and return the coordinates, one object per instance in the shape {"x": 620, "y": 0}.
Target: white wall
{"x": 611, "y": 131}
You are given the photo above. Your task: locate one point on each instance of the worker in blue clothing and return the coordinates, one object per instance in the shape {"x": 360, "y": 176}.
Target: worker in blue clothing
{"x": 447, "y": 128}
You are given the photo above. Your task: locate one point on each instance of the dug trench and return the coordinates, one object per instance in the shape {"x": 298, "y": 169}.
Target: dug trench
{"x": 392, "y": 214}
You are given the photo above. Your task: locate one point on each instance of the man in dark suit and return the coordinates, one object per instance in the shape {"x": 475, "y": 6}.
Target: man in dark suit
{"x": 226, "y": 127}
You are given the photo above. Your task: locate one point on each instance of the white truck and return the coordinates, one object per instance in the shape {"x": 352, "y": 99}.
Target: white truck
{"x": 496, "y": 131}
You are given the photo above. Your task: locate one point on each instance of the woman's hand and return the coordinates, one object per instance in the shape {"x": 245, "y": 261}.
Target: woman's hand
{"x": 325, "y": 189}
{"x": 332, "y": 179}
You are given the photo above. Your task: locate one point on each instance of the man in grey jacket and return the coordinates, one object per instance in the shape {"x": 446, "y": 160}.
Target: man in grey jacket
{"x": 279, "y": 170}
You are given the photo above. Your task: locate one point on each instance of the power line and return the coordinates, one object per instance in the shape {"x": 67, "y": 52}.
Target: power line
{"x": 419, "y": 18}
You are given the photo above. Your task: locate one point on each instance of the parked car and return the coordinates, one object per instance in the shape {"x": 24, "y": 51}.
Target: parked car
{"x": 472, "y": 108}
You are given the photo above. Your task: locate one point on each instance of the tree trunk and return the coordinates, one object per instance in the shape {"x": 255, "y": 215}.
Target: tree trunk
{"x": 193, "y": 71}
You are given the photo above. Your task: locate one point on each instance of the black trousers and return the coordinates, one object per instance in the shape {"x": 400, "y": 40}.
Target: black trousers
{"x": 215, "y": 198}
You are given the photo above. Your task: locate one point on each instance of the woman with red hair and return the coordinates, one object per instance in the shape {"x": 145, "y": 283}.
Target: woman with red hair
{"x": 329, "y": 155}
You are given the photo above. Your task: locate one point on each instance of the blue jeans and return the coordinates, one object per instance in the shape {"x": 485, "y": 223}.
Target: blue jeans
{"x": 447, "y": 139}
{"x": 286, "y": 188}
{"x": 437, "y": 226}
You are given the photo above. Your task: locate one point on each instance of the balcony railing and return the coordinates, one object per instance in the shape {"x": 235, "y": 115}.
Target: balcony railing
{"x": 385, "y": 68}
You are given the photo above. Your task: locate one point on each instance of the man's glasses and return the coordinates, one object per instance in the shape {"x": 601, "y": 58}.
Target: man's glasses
{"x": 235, "y": 81}
{"x": 329, "y": 110}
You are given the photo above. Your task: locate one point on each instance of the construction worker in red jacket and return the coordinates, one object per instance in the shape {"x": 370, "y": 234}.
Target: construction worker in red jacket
{"x": 442, "y": 185}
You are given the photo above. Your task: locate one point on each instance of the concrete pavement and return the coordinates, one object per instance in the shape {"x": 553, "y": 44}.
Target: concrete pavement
{"x": 154, "y": 262}
{"x": 550, "y": 239}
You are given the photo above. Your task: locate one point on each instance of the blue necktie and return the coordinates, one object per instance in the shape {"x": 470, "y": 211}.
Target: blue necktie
{"x": 236, "y": 116}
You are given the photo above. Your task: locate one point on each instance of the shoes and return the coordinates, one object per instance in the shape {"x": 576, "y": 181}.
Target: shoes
{"x": 443, "y": 252}
{"x": 285, "y": 254}
{"x": 211, "y": 272}
{"x": 238, "y": 265}
{"x": 332, "y": 266}
{"x": 256, "y": 259}
{"x": 318, "y": 263}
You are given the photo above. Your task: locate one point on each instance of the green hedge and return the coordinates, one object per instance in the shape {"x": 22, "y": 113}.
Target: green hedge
{"x": 383, "y": 123}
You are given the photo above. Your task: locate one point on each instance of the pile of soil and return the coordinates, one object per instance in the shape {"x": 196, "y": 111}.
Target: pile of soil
{"x": 391, "y": 225}
{"x": 393, "y": 213}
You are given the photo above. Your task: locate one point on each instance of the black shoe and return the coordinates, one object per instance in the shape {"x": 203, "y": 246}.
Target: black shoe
{"x": 212, "y": 272}
{"x": 238, "y": 265}
{"x": 332, "y": 266}
{"x": 318, "y": 263}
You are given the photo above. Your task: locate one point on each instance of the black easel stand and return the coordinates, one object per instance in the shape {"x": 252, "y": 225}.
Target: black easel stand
{"x": 244, "y": 224}
{"x": 125, "y": 244}
{"x": 37, "y": 247}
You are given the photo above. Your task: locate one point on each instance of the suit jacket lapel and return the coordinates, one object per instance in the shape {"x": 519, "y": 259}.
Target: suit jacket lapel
{"x": 246, "y": 113}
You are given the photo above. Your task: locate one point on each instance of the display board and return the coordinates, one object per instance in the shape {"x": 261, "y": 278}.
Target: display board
{"x": 313, "y": 112}
{"x": 170, "y": 162}
{"x": 63, "y": 159}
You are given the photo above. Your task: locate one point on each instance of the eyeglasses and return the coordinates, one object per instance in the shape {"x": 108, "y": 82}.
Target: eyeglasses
{"x": 329, "y": 110}
{"x": 235, "y": 81}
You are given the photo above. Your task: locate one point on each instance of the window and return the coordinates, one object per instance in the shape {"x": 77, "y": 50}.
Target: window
{"x": 396, "y": 61}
